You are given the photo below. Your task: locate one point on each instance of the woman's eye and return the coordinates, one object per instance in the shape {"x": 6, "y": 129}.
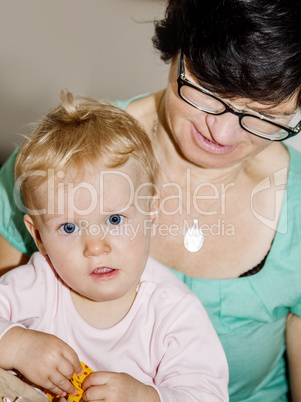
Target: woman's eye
{"x": 115, "y": 219}
{"x": 69, "y": 228}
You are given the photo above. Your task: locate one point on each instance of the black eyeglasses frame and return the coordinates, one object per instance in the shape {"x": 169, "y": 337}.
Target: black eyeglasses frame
{"x": 182, "y": 81}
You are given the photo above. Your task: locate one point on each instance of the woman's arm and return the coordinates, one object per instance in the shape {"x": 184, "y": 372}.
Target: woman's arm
{"x": 12, "y": 387}
{"x": 12, "y": 228}
{"x": 293, "y": 344}
{"x": 10, "y": 257}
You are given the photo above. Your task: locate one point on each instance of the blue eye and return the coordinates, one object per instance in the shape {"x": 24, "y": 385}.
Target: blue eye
{"x": 115, "y": 219}
{"x": 69, "y": 228}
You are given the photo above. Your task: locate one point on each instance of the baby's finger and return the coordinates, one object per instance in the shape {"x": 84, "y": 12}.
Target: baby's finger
{"x": 73, "y": 359}
{"x": 62, "y": 384}
{"x": 55, "y": 390}
{"x": 96, "y": 378}
{"x": 66, "y": 368}
{"x": 78, "y": 369}
{"x": 95, "y": 393}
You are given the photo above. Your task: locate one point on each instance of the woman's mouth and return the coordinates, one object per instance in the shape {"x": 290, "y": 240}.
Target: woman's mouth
{"x": 104, "y": 273}
{"x": 209, "y": 145}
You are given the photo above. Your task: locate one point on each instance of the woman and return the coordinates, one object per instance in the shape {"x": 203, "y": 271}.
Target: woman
{"x": 230, "y": 219}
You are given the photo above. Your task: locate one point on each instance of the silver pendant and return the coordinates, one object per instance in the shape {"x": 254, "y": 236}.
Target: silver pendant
{"x": 194, "y": 238}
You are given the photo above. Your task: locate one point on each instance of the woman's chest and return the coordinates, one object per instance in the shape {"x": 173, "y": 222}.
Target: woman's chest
{"x": 237, "y": 233}
{"x": 237, "y": 211}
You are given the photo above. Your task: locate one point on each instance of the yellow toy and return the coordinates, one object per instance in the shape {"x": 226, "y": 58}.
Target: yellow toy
{"x": 77, "y": 382}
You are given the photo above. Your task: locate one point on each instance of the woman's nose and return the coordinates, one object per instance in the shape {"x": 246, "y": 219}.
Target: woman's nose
{"x": 224, "y": 129}
{"x": 95, "y": 246}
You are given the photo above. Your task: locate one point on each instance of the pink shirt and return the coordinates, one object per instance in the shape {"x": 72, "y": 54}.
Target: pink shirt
{"x": 166, "y": 340}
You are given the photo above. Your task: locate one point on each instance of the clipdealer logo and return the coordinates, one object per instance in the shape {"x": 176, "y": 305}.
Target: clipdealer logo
{"x": 274, "y": 216}
{"x": 279, "y": 220}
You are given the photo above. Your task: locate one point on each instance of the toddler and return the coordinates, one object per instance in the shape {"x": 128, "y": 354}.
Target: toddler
{"x": 92, "y": 293}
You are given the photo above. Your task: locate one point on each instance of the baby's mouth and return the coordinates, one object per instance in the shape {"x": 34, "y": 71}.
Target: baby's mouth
{"x": 104, "y": 273}
{"x": 102, "y": 270}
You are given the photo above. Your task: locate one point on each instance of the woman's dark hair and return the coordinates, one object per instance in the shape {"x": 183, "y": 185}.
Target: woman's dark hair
{"x": 244, "y": 48}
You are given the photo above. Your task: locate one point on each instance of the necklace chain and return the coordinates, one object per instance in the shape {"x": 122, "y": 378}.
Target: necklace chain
{"x": 194, "y": 236}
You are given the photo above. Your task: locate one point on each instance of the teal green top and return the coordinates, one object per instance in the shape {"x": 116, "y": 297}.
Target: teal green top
{"x": 249, "y": 314}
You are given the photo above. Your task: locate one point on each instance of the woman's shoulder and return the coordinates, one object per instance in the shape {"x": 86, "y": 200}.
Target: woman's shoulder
{"x": 271, "y": 159}
{"x": 295, "y": 160}
{"x": 124, "y": 104}
{"x": 294, "y": 186}
{"x": 144, "y": 109}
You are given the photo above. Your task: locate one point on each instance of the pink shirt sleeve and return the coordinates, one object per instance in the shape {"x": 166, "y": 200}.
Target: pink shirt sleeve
{"x": 22, "y": 295}
{"x": 194, "y": 366}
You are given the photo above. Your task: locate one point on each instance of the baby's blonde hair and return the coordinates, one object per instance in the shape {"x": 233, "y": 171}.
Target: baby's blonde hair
{"x": 83, "y": 131}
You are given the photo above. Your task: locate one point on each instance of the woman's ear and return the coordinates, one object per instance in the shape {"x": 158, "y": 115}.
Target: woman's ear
{"x": 34, "y": 231}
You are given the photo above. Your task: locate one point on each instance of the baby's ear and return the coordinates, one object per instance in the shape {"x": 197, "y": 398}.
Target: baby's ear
{"x": 34, "y": 231}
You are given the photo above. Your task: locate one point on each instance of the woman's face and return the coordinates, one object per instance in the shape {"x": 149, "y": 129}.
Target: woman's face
{"x": 215, "y": 141}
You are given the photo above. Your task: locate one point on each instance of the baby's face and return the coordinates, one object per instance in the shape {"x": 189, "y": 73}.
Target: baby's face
{"x": 97, "y": 231}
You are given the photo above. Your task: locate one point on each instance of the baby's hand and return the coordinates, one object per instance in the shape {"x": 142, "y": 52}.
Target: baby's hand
{"x": 116, "y": 387}
{"x": 46, "y": 361}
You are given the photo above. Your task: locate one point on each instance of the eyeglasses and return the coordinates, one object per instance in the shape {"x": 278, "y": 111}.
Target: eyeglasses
{"x": 204, "y": 100}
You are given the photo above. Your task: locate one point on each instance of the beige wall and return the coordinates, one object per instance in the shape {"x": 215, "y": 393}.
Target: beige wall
{"x": 97, "y": 47}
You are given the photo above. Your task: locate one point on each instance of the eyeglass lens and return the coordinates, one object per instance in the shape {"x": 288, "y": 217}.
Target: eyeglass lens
{"x": 211, "y": 105}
